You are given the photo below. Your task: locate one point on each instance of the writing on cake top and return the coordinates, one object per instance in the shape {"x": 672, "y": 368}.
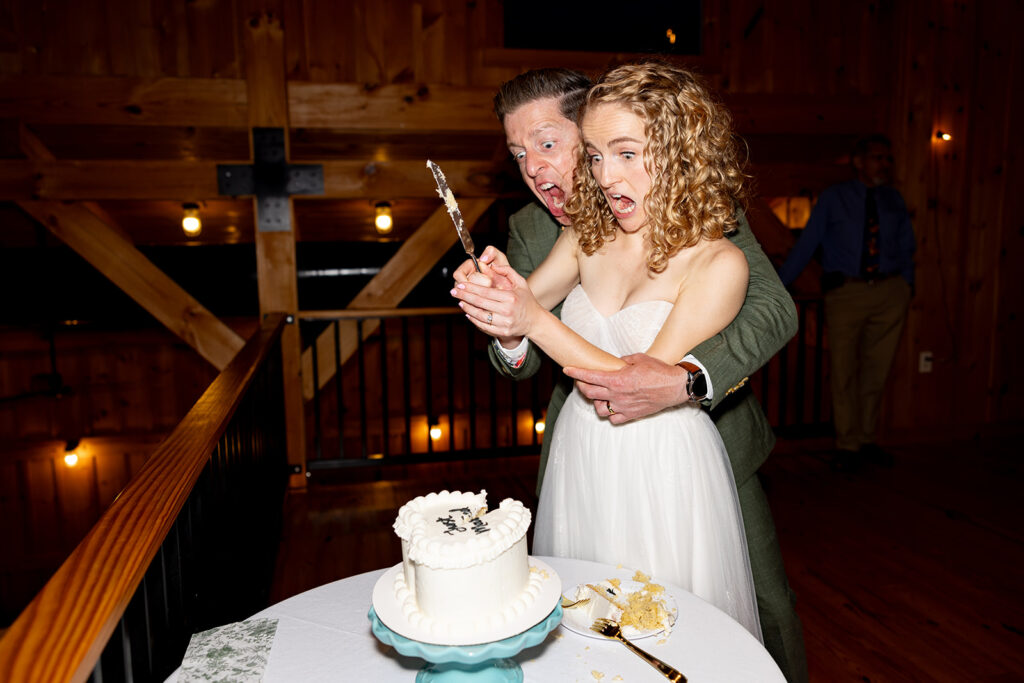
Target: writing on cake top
{"x": 476, "y": 525}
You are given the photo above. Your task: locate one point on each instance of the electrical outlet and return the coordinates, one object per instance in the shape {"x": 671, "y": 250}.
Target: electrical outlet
{"x": 924, "y": 362}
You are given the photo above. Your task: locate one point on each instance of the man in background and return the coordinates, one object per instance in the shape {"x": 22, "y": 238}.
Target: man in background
{"x": 867, "y": 251}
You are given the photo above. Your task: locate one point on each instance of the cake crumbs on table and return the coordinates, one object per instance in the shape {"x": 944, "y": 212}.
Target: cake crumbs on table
{"x": 534, "y": 569}
{"x": 597, "y": 675}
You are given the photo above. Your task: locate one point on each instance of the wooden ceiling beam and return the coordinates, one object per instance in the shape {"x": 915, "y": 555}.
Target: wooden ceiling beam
{"x": 410, "y": 108}
{"x": 125, "y": 101}
{"x": 389, "y": 287}
{"x": 197, "y": 180}
{"x": 125, "y": 266}
{"x": 95, "y": 236}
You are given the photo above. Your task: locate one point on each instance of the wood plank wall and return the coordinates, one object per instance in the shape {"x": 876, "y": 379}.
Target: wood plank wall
{"x": 47, "y": 507}
{"x": 929, "y": 63}
{"x": 138, "y": 382}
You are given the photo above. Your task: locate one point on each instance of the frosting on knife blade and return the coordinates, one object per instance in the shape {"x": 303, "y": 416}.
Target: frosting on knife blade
{"x": 445, "y": 193}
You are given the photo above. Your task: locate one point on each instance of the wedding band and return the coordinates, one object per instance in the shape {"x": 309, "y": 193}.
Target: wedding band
{"x": 611, "y": 411}
{"x": 490, "y": 317}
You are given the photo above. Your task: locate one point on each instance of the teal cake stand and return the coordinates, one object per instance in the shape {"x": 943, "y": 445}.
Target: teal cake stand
{"x": 485, "y": 663}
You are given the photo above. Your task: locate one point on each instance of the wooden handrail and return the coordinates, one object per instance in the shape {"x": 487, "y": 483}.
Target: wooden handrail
{"x": 61, "y": 634}
{"x": 356, "y": 313}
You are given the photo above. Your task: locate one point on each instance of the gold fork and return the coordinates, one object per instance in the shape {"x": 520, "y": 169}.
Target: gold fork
{"x": 610, "y": 629}
{"x": 569, "y": 604}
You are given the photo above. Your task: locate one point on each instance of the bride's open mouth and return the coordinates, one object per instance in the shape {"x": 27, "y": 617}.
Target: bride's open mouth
{"x": 621, "y": 205}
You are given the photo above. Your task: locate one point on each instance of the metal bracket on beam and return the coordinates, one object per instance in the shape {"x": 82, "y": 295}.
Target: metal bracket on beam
{"x": 271, "y": 179}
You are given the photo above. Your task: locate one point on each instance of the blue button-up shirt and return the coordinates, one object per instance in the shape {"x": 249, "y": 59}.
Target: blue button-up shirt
{"x": 837, "y": 226}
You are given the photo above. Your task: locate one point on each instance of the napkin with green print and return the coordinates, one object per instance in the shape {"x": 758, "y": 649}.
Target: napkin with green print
{"x": 235, "y": 652}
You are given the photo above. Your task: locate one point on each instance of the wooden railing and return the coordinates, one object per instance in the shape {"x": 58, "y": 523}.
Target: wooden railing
{"x": 420, "y": 368}
{"x": 414, "y": 370}
{"x": 187, "y": 545}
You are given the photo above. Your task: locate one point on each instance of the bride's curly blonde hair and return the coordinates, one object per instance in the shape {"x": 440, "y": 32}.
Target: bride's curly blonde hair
{"x": 697, "y": 178}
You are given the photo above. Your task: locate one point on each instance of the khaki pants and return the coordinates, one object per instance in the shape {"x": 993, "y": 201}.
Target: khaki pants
{"x": 864, "y": 322}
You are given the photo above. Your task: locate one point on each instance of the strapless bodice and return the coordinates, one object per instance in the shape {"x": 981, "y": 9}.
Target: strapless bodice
{"x": 628, "y": 330}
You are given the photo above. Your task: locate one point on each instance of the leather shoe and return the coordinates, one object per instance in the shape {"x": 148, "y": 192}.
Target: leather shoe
{"x": 845, "y": 461}
{"x": 876, "y": 455}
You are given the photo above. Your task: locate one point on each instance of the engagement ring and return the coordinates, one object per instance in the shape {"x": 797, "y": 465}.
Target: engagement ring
{"x": 490, "y": 317}
{"x": 611, "y": 411}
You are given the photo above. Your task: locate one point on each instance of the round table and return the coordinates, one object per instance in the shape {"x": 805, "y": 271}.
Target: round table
{"x": 324, "y": 635}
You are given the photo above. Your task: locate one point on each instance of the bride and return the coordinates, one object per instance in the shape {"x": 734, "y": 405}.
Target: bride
{"x": 643, "y": 267}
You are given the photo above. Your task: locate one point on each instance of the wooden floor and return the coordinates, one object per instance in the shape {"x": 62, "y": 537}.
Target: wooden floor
{"x": 912, "y": 573}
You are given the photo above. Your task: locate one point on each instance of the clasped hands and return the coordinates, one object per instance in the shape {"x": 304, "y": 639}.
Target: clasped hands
{"x": 496, "y": 300}
{"x": 499, "y": 303}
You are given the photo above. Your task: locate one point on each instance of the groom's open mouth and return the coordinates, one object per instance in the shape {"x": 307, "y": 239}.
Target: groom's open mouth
{"x": 621, "y": 205}
{"x": 554, "y": 197}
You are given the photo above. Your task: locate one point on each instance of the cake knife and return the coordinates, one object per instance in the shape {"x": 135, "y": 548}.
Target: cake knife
{"x": 453, "y": 210}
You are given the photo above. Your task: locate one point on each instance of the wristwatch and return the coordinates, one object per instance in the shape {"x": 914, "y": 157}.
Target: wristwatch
{"x": 696, "y": 382}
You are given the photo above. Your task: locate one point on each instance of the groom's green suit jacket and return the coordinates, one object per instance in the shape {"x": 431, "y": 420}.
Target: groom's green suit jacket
{"x": 764, "y": 324}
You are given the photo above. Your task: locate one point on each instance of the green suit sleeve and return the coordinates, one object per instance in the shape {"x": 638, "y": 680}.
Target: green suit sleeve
{"x": 766, "y": 321}
{"x": 521, "y": 236}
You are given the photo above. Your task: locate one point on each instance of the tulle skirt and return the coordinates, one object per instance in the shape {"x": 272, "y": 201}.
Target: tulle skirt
{"x": 655, "y": 494}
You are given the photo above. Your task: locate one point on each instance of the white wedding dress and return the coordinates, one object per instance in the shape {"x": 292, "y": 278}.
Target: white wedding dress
{"x": 655, "y": 494}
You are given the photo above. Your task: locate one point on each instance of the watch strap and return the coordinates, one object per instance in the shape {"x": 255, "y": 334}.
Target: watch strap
{"x": 696, "y": 382}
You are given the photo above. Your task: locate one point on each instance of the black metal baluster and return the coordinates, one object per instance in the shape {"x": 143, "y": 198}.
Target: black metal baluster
{"x": 428, "y": 382}
{"x": 492, "y": 388}
{"x": 450, "y": 358}
{"x": 385, "y": 446}
{"x": 406, "y": 394}
{"x": 470, "y": 341}
{"x": 362, "y": 387}
{"x": 338, "y": 390}
{"x": 317, "y": 426}
{"x": 514, "y": 412}
{"x": 534, "y": 406}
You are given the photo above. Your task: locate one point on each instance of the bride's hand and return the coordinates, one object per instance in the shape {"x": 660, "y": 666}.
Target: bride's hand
{"x": 498, "y": 311}
{"x": 486, "y": 277}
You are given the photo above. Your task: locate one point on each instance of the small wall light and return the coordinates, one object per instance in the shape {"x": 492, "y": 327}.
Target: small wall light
{"x": 382, "y": 218}
{"x": 435, "y": 432}
{"x": 942, "y": 135}
{"x": 70, "y": 456}
{"x": 538, "y": 426}
{"x": 671, "y": 35}
{"x": 190, "y": 222}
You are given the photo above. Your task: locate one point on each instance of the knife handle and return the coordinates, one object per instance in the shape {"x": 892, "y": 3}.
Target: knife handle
{"x": 475, "y": 262}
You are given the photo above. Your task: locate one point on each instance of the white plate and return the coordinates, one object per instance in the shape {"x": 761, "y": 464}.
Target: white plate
{"x": 578, "y": 621}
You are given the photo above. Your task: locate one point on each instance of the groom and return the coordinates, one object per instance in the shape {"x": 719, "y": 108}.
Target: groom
{"x": 538, "y": 110}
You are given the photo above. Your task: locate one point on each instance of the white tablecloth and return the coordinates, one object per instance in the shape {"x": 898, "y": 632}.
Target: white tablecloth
{"x": 324, "y": 635}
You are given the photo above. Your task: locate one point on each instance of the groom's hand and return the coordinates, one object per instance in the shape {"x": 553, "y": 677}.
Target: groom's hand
{"x": 641, "y": 388}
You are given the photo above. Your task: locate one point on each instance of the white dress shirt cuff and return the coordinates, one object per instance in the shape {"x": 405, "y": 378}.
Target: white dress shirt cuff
{"x": 513, "y": 357}
{"x": 691, "y": 359}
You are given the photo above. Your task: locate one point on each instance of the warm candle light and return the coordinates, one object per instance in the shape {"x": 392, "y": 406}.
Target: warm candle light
{"x": 435, "y": 432}
{"x": 71, "y": 459}
{"x": 944, "y": 136}
{"x": 539, "y": 426}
